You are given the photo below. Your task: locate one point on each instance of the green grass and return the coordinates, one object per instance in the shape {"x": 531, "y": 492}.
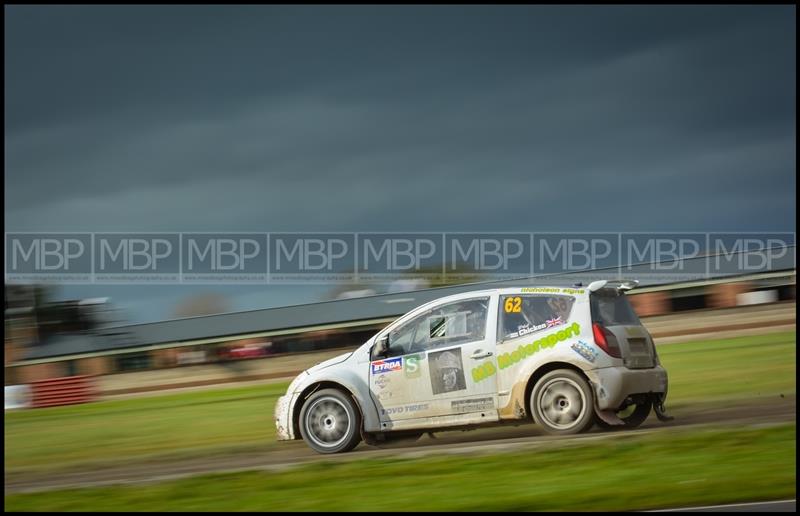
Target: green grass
{"x": 195, "y": 423}
{"x": 723, "y": 369}
{"x": 239, "y": 419}
{"x": 631, "y": 472}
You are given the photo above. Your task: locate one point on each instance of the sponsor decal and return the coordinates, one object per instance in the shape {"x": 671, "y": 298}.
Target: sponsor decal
{"x": 405, "y": 409}
{"x": 525, "y": 329}
{"x": 447, "y": 371}
{"x": 550, "y": 290}
{"x": 585, "y": 350}
{"x": 382, "y": 381}
{"x": 472, "y": 405}
{"x": 387, "y": 366}
{"x": 483, "y": 372}
{"x": 411, "y": 367}
{"x": 555, "y": 321}
{"x": 547, "y": 341}
{"x": 385, "y": 395}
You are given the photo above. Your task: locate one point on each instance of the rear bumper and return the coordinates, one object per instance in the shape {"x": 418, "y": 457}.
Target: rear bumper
{"x": 283, "y": 425}
{"x": 613, "y": 384}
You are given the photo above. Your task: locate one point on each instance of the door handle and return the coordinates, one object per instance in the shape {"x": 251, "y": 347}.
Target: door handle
{"x": 481, "y": 354}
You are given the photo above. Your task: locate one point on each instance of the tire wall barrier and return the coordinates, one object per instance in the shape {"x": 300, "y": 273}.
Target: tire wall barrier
{"x": 67, "y": 390}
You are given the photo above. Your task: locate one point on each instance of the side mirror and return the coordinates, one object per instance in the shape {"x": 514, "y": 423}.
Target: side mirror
{"x": 382, "y": 346}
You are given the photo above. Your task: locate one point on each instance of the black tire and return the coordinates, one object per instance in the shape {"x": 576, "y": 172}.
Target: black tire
{"x": 562, "y": 403}
{"x": 633, "y": 419}
{"x": 330, "y": 422}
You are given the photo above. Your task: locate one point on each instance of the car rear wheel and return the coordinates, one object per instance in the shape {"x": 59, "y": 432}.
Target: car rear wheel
{"x": 633, "y": 415}
{"x": 330, "y": 422}
{"x": 562, "y": 403}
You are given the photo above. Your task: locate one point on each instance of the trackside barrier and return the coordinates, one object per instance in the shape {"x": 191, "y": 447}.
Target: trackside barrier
{"x": 17, "y": 396}
{"x": 68, "y": 390}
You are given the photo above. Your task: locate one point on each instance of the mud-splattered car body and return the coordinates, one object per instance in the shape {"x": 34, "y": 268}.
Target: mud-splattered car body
{"x": 568, "y": 357}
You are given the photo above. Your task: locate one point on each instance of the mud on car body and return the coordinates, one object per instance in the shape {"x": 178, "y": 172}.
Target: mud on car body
{"x": 566, "y": 358}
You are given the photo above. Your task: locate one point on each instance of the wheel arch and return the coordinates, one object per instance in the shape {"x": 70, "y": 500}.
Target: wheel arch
{"x": 543, "y": 370}
{"x": 314, "y": 387}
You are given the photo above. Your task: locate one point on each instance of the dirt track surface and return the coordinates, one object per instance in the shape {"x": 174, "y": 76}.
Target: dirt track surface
{"x": 486, "y": 440}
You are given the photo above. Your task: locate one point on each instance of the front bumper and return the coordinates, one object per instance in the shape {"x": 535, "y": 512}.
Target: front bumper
{"x": 613, "y": 384}
{"x": 283, "y": 422}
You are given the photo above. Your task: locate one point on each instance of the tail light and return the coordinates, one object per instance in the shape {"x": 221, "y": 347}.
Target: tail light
{"x": 606, "y": 340}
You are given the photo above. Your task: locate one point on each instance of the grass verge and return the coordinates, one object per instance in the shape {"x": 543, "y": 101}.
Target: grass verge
{"x": 631, "y": 472}
{"x": 737, "y": 368}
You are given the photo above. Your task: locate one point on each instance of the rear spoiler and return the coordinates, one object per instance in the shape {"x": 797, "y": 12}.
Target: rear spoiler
{"x": 615, "y": 284}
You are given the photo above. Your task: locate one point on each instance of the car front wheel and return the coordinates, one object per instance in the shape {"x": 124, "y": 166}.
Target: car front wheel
{"x": 330, "y": 422}
{"x": 562, "y": 403}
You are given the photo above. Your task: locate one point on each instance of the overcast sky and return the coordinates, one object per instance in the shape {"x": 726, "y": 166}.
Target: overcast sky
{"x": 458, "y": 118}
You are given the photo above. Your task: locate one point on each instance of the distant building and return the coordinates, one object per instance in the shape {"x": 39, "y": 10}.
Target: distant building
{"x": 342, "y": 323}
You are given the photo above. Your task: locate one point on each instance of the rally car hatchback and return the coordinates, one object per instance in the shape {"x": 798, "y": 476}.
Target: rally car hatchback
{"x": 566, "y": 358}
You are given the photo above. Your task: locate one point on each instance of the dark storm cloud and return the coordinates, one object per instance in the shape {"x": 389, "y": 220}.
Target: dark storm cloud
{"x": 264, "y": 118}
{"x": 126, "y": 105}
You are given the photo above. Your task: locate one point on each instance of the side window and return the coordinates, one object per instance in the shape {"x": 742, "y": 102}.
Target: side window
{"x": 400, "y": 339}
{"x": 521, "y": 314}
{"x": 454, "y": 323}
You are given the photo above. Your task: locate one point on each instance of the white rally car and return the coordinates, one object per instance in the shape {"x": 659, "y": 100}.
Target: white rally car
{"x": 565, "y": 357}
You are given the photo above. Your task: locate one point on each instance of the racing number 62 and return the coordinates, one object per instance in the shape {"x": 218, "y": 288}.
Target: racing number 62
{"x": 513, "y": 305}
